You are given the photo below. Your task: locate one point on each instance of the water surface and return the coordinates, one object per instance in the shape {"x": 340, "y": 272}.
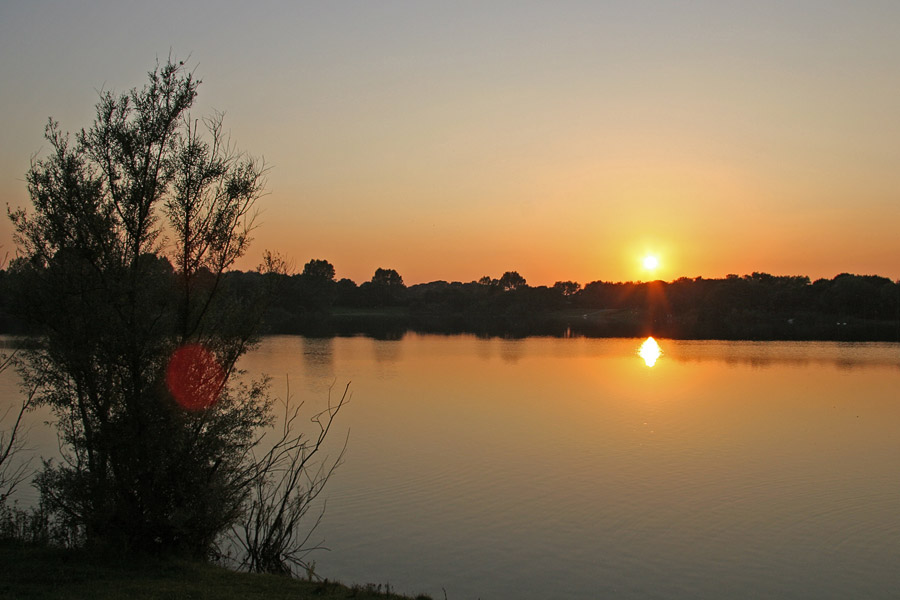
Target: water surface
{"x": 569, "y": 468}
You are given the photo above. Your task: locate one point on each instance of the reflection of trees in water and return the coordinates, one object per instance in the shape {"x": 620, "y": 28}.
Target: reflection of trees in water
{"x": 386, "y": 351}
{"x": 512, "y": 351}
{"x": 509, "y": 349}
{"x": 387, "y": 355}
{"x": 843, "y": 355}
{"x": 482, "y": 350}
{"x": 318, "y": 363}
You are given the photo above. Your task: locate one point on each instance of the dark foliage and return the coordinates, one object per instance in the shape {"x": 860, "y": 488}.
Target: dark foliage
{"x": 124, "y": 263}
{"x": 755, "y": 306}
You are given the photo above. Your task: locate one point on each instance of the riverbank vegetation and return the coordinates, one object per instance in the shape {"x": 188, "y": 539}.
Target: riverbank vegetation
{"x": 758, "y": 306}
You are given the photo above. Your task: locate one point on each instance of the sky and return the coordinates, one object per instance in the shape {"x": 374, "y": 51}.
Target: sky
{"x": 563, "y": 140}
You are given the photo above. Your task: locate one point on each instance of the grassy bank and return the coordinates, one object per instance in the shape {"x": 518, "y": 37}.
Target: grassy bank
{"x": 31, "y": 572}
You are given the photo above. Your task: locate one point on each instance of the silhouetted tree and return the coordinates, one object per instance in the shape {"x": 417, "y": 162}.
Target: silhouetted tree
{"x": 511, "y": 280}
{"x": 388, "y": 278}
{"x": 385, "y": 289}
{"x": 567, "y": 288}
{"x": 318, "y": 270}
{"x": 346, "y": 292}
{"x": 134, "y": 224}
{"x": 315, "y": 286}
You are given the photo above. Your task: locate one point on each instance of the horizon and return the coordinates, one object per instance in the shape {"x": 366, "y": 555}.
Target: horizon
{"x": 450, "y": 141}
{"x": 297, "y": 270}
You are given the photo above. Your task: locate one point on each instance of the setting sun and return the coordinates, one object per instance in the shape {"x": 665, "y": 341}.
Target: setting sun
{"x": 651, "y": 262}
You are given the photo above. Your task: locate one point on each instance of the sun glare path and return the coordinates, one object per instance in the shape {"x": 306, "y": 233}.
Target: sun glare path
{"x": 650, "y": 351}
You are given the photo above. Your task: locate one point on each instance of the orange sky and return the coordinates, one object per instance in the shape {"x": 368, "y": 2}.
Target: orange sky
{"x": 452, "y": 140}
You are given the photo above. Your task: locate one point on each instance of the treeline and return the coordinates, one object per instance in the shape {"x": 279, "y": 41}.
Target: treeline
{"x": 758, "y": 306}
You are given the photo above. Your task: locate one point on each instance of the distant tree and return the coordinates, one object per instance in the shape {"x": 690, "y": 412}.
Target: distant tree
{"x": 567, "y": 288}
{"x": 319, "y": 270}
{"x": 486, "y": 280}
{"x": 385, "y": 289}
{"x": 346, "y": 292}
{"x": 124, "y": 257}
{"x": 388, "y": 278}
{"x": 316, "y": 288}
{"x": 511, "y": 280}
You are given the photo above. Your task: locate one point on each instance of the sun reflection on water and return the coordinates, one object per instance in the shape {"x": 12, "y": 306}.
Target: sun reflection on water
{"x": 650, "y": 351}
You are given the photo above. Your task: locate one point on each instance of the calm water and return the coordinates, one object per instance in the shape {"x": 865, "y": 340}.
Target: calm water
{"x": 568, "y": 468}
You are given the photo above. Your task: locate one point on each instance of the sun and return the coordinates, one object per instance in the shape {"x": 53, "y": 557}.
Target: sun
{"x": 651, "y": 262}
{"x": 650, "y": 351}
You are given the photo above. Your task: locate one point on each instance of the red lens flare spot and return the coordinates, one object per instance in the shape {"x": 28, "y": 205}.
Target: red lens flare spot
{"x": 194, "y": 377}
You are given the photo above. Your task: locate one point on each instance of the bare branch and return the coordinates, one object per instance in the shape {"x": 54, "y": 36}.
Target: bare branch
{"x": 275, "y": 532}
{"x": 12, "y": 443}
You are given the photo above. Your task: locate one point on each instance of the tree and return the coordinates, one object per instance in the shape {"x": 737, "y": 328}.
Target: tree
{"x": 388, "y": 278}
{"x": 346, "y": 292}
{"x": 318, "y": 270}
{"x": 511, "y": 280}
{"x": 567, "y": 288}
{"x": 385, "y": 289}
{"x": 133, "y": 226}
{"x": 315, "y": 288}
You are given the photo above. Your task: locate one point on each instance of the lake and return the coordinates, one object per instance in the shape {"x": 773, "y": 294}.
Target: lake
{"x": 570, "y": 468}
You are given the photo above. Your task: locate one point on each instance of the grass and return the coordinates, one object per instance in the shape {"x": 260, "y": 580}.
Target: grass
{"x": 32, "y": 572}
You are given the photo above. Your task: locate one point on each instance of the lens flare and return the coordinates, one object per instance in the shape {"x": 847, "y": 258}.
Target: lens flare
{"x": 650, "y": 351}
{"x": 194, "y": 377}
